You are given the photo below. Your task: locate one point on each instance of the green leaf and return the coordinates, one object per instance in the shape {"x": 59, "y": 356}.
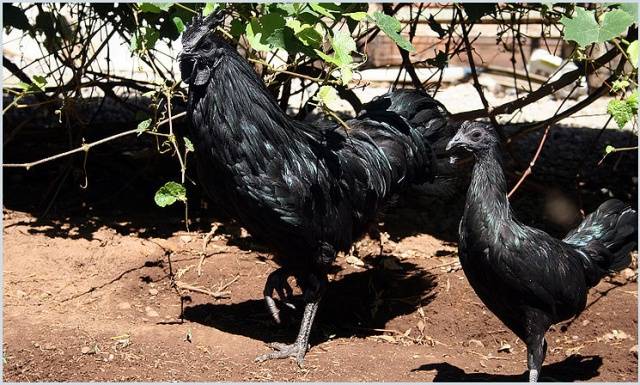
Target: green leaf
{"x": 631, "y": 8}
{"x": 621, "y": 111}
{"x": 614, "y": 23}
{"x": 357, "y": 16}
{"x": 253, "y": 33}
{"x": 170, "y": 193}
{"x": 151, "y": 36}
{"x": 24, "y": 86}
{"x": 179, "y": 24}
{"x": 619, "y": 85}
{"x": 188, "y": 145}
{"x": 343, "y": 44}
{"x": 13, "y": 16}
{"x": 584, "y": 29}
{"x": 321, "y": 9}
{"x": 154, "y": 7}
{"x": 209, "y": 8}
{"x": 390, "y": 26}
{"x": 581, "y": 28}
{"x": 609, "y": 149}
{"x": 40, "y": 82}
{"x": 632, "y": 101}
{"x": 310, "y": 37}
{"x": 134, "y": 44}
{"x": 632, "y": 52}
{"x": 143, "y": 126}
{"x": 328, "y": 96}
{"x": 346, "y": 74}
{"x": 266, "y": 32}
{"x": 238, "y": 27}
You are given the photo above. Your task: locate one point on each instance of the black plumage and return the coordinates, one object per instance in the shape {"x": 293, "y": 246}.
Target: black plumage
{"x": 307, "y": 190}
{"x": 527, "y": 278}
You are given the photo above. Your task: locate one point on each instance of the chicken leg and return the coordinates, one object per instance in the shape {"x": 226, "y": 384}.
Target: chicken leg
{"x": 313, "y": 288}
{"x": 536, "y": 352}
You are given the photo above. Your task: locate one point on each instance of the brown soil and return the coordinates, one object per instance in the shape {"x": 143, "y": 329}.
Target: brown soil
{"x": 97, "y": 305}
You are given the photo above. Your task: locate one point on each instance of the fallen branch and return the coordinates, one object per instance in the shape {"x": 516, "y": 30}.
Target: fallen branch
{"x": 443, "y": 265}
{"x": 217, "y": 295}
{"x": 205, "y": 241}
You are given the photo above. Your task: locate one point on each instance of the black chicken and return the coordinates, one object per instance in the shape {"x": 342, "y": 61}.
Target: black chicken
{"x": 528, "y": 279}
{"x": 307, "y": 190}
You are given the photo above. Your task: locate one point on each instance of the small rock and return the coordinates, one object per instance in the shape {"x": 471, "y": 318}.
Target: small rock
{"x": 585, "y": 322}
{"x": 153, "y": 291}
{"x": 505, "y": 347}
{"x": 49, "y": 346}
{"x": 124, "y": 305}
{"x": 355, "y": 261}
{"x": 111, "y": 357}
{"x": 620, "y": 335}
{"x": 85, "y": 350}
{"x": 150, "y": 312}
{"x": 478, "y": 343}
{"x": 21, "y": 294}
{"x": 634, "y": 350}
{"x": 185, "y": 238}
{"x": 629, "y": 274}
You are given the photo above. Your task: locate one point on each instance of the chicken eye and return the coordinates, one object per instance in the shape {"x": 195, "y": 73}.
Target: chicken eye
{"x": 476, "y": 135}
{"x": 206, "y": 45}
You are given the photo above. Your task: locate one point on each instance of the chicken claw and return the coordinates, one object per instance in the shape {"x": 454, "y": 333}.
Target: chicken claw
{"x": 277, "y": 282}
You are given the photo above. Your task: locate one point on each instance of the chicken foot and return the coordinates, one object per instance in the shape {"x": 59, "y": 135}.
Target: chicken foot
{"x": 277, "y": 282}
{"x": 313, "y": 289}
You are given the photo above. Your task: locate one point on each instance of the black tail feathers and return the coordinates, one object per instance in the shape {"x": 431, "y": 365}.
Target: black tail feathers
{"x": 606, "y": 237}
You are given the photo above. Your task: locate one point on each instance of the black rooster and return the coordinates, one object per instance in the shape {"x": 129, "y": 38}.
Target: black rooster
{"x": 528, "y": 279}
{"x": 307, "y": 190}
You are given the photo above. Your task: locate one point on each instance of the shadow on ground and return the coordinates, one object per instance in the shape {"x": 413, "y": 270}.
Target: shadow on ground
{"x": 121, "y": 178}
{"x": 573, "y": 368}
{"x": 353, "y": 306}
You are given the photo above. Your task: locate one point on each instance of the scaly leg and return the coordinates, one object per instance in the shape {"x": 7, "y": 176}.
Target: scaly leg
{"x": 536, "y": 351}
{"x": 313, "y": 293}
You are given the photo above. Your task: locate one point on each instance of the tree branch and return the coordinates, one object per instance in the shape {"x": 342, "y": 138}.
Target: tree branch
{"x": 584, "y": 69}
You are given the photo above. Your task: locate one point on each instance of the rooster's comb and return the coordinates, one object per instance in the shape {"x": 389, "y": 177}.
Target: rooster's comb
{"x": 199, "y": 26}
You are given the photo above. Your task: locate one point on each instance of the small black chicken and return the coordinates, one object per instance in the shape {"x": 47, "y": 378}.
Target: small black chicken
{"x": 307, "y": 190}
{"x": 528, "y": 279}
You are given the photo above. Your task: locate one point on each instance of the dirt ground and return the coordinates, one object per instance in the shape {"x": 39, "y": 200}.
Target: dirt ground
{"x": 97, "y": 305}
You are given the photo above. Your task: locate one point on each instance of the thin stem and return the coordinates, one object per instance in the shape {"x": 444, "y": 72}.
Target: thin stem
{"x": 527, "y": 172}
{"x": 84, "y": 147}
{"x": 185, "y": 8}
